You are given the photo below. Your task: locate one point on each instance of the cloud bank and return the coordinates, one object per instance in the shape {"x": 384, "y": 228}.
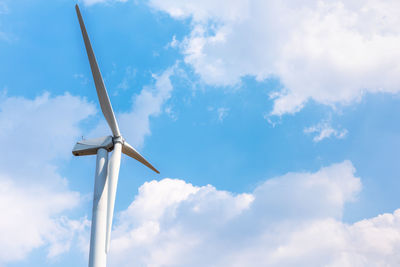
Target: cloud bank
{"x": 291, "y": 220}
{"x": 34, "y": 197}
{"x": 331, "y": 52}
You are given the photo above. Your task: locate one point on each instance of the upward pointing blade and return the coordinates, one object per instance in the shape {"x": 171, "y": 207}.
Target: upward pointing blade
{"x": 105, "y": 103}
{"x": 127, "y": 149}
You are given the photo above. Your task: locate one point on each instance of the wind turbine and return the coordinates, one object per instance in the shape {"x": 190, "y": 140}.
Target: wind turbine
{"x": 106, "y": 175}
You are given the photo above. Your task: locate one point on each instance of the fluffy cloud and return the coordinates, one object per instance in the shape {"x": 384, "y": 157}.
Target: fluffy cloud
{"x": 292, "y": 220}
{"x": 135, "y": 124}
{"x": 328, "y": 51}
{"x": 33, "y": 195}
{"x": 32, "y": 217}
{"x": 41, "y": 129}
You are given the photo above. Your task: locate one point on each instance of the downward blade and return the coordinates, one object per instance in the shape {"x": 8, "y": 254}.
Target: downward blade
{"x": 113, "y": 171}
{"x": 127, "y": 149}
{"x": 104, "y": 100}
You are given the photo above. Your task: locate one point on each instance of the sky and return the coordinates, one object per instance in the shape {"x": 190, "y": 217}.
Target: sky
{"x": 273, "y": 124}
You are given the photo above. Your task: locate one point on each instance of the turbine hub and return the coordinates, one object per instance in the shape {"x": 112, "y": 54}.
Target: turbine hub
{"x": 118, "y": 139}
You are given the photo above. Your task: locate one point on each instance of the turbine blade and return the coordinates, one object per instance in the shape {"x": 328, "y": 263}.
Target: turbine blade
{"x": 113, "y": 171}
{"x": 127, "y": 149}
{"x": 104, "y": 100}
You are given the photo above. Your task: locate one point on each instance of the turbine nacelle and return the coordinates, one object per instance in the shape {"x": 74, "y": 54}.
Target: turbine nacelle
{"x": 90, "y": 146}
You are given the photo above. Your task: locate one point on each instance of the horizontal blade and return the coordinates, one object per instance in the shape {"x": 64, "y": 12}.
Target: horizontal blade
{"x": 113, "y": 171}
{"x": 104, "y": 100}
{"x": 127, "y": 149}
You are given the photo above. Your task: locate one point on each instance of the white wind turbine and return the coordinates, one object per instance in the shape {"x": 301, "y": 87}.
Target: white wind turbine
{"x": 106, "y": 176}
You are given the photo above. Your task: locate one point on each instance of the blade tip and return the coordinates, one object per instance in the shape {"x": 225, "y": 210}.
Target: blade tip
{"x": 78, "y": 12}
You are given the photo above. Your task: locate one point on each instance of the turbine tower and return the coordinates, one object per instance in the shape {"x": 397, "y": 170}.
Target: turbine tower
{"x": 106, "y": 175}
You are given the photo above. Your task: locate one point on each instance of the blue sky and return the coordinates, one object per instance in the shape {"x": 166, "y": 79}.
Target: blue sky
{"x": 274, "y": 126}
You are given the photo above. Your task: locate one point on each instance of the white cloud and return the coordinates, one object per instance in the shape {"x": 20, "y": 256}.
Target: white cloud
{"x": 324, "y": 130}
{"x": 328, "y": 51}
{"x": 32, "y": 217}
{"x": 33, "y": 195}
{"x": 41, "y": 129}
{"x": 292, "y": 220}
{"x": 135, "y": 124}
